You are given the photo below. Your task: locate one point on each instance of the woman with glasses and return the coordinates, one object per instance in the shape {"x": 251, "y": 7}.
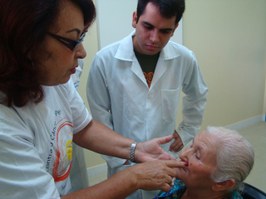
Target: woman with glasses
{"x": 41, "y": 113}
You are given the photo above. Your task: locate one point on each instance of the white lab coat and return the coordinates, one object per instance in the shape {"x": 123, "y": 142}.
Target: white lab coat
{"x": 119, "y": 96}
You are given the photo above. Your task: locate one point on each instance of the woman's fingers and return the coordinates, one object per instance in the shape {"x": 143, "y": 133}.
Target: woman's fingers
{"x": 157, "y": 174}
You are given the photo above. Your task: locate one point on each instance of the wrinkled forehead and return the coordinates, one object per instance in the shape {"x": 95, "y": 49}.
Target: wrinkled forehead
{"x": 207, "y": 145}
{"x": 208, "y": 142}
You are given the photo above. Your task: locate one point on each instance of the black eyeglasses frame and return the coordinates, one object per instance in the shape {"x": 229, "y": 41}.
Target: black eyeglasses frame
{"x": 69, "y": 43}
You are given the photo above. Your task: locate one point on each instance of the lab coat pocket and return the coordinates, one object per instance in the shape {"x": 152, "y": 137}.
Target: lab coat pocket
{"x": 169, "y": 104}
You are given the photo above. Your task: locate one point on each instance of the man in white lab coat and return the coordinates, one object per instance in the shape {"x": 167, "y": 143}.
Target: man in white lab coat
{"x": 135, "y": 84}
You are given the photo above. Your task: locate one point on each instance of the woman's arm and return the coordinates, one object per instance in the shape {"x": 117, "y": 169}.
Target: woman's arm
{"x": 149, "y": 176}
{"x": 98, "y": 138}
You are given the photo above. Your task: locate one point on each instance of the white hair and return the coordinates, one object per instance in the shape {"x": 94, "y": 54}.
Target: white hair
{"x": 235, "y": 155}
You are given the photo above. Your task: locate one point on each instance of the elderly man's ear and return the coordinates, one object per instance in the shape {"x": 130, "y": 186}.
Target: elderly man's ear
{"x": 226, "y": 185}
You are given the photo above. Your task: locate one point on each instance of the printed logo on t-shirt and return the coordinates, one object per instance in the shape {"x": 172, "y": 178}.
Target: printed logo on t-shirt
{"x": 63, "y": 155}
{"x": 60, "y": 155}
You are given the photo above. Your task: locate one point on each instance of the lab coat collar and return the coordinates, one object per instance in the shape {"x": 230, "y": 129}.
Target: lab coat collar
{"x": 126, "y": 51}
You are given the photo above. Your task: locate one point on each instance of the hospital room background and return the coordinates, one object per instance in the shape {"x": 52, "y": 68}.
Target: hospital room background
{"x": 228, "y": 38}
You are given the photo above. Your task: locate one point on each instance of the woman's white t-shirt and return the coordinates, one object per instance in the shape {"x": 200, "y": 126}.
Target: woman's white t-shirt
{"x": 36, "y": 143}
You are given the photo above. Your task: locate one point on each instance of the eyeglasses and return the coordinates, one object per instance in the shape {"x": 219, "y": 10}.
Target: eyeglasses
{"x": 69, "y": 43}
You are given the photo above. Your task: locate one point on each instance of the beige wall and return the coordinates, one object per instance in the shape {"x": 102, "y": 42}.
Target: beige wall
{"x": 228, "y": 38}
{"x": 264, "y": 107}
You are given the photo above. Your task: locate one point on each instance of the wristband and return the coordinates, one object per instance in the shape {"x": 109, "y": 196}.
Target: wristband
{"x": 132, "y": 151}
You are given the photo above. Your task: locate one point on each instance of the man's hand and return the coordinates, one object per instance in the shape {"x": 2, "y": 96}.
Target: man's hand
{"x": 177, "y": 145}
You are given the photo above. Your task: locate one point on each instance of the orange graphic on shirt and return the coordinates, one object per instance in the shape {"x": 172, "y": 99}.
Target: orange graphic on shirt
{"x": 148, "y": 77}
{"x": 63, "y": 159}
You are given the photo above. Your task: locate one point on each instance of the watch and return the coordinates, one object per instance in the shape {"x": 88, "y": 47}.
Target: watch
{"x": 132, "y": 151}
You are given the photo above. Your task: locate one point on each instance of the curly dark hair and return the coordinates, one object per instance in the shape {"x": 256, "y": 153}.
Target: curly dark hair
{"x": 23, "y": 26}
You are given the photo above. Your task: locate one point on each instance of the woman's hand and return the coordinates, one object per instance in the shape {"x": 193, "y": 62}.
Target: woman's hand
{"x": 152, "y": 150}
{"x": 156, "y": 174}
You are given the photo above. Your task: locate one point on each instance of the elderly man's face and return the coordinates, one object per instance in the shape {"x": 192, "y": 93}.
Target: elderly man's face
{"x": 201, "y": 162}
